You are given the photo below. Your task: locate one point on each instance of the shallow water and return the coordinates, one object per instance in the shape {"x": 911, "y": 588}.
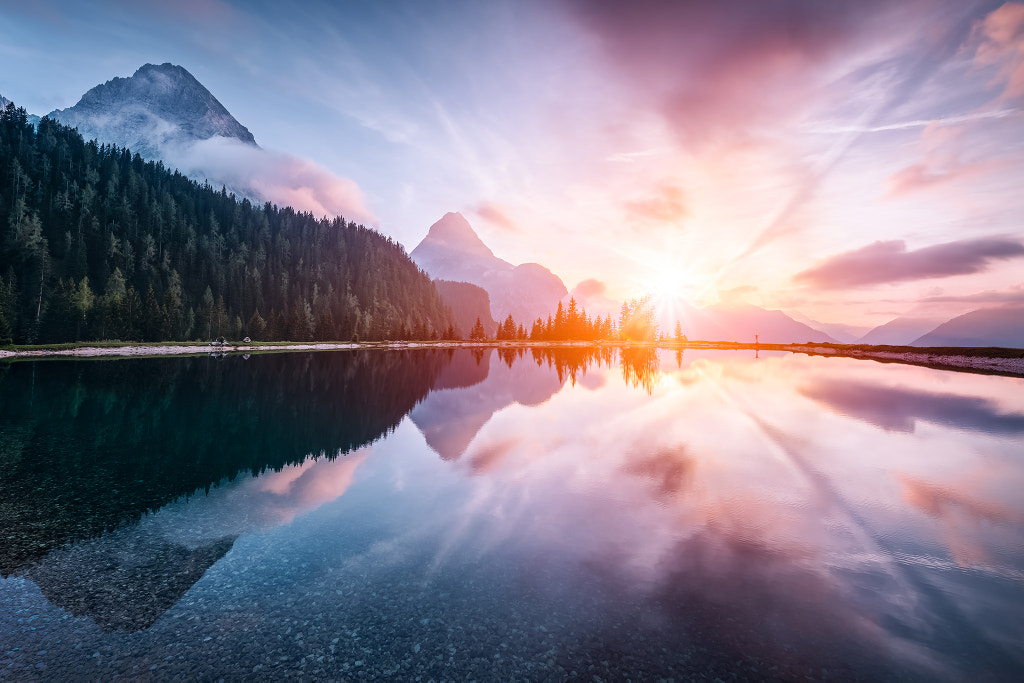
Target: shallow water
{"x": 496, "y": 515}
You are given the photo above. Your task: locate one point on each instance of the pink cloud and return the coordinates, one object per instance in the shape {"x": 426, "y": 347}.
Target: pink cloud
{"x": 883, "y": 262}
{"x": 923, "y": 176}
{"x": 1002, "y": 46}
{"x": 589, "y": 287}
{"x": 277, "y": 177}
{"x": 667, "y": 205}
{"x": 495, "y": 214}
{"x": 719, "y": 69}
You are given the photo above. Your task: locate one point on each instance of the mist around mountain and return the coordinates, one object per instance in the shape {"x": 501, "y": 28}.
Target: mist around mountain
{"x": 163, "y": 113}
{"x": 1002, "y": 326}
{"x": 155, "y": 109}
{"x": 100, "y": 244}
{"x": 453, "y": 251}
{"x": 902, "y": 331}
{"x": 742, "y": 323}
{"x": 841, "y": 332}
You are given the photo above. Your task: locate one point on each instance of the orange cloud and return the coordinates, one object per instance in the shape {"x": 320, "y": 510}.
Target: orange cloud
{"x": 666, "y": 206}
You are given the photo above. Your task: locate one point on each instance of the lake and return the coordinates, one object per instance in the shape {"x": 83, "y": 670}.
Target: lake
{"x": 541, "y": 514}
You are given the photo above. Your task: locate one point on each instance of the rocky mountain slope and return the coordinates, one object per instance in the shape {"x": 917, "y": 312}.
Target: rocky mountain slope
{"x": 1003, "y": 326}
{"x": 156, "y": 108}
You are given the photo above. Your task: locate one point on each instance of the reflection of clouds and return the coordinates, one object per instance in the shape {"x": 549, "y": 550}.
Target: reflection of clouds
{"x": 257, "y": 502}
{"x": 897, "y": 409}
{"x": 961, "y": 516}
{"x": 280, "y": 496}
{"x": 671, "y": 470}
{"x": 728, "y": 500}
{"x": 489, "y": 456}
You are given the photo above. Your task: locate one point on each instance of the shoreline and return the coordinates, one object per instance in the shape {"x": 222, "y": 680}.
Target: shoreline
{"x": 997, "y": 361}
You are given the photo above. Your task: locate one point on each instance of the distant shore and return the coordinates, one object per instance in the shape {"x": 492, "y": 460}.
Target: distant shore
{"x": 988, "y": 360}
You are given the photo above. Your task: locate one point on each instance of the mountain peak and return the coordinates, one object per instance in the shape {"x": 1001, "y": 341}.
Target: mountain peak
{"x": 455, "y": 232}
{"x": 158, "y": 105}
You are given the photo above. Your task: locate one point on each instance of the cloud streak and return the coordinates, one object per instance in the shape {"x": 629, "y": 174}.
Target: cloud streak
{"x": 889, "y": 261}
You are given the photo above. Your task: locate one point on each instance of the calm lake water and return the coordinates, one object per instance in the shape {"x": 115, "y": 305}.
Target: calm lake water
{"x": 547, "y": 515}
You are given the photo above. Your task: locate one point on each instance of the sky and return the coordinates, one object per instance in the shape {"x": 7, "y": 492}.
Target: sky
{"x": 847, "y": 162}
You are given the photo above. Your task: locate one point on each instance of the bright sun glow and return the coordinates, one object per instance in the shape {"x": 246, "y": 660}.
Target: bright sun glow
{"x": 669, "y": 290}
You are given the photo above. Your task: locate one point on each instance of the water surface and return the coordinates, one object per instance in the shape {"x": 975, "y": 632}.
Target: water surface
{"x": 547, "y": 514}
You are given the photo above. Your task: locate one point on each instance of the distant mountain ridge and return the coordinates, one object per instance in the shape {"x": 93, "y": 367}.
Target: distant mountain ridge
{"x": 157, "y": 107}
{"x": 1002, "y": 326}
{"x": 453, "y": 251}
{"x": 900, "y": 331}
{"x": 741, "y": 323}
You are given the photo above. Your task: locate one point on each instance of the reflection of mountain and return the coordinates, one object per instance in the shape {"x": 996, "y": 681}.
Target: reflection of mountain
{"x": 93, "y": 444}
{"x": 450, "y": 418}
{"x": 123, "y": 586}
{"x": 894, "y": 409}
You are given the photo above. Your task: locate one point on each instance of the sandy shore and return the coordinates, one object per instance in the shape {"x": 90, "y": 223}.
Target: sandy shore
{"x": 1013, "y": 366}
{"x": 184, "y": 349}
{"x": 984, "y": 363}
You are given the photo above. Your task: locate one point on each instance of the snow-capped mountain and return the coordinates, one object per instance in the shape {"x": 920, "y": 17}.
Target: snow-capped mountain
{"x": 155, "y": 109}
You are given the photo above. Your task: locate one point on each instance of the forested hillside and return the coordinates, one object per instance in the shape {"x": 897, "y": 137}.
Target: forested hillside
{"x": 97, "y": 243}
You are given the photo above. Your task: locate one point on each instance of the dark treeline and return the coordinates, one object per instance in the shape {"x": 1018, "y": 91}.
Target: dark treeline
{"x": 96, "y": 243}
{"x": 88, "y": 445}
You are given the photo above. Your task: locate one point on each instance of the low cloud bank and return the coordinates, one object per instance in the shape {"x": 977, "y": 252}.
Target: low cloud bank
{"x": 267, "y": 175}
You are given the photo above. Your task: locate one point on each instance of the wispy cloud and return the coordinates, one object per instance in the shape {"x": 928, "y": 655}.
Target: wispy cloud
{"x": 838, "y": 129}
{"x": 666, "y": 205}
{"x": 495, "y": 214}
{"x": 889, "y": 261}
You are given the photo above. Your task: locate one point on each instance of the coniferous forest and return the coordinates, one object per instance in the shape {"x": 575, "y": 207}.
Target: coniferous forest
{"x": 97, "y": 243}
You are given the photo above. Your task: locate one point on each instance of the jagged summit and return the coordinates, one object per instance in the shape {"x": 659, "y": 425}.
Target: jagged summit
{"x": 453, "y": 251}
{"x": 454, "y": 232}
{"x": 158, "y": 106}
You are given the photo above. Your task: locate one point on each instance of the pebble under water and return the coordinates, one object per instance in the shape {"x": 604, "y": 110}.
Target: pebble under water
{"x": 544, "y": 514}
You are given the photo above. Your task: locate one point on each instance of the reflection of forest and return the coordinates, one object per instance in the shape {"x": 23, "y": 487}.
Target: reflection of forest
{"x": 88, "y": 445}
{"x": 640, "y": 366}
